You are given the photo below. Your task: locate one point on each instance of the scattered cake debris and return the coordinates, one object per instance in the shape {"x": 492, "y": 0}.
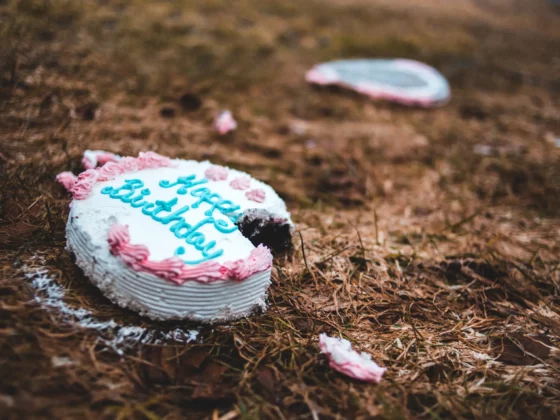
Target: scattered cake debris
{"x": 225, "y": 123}
{"x": 344, "y": 359}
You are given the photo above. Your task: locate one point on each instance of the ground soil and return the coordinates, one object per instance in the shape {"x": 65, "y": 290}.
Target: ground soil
{"x": 428, "y": 238}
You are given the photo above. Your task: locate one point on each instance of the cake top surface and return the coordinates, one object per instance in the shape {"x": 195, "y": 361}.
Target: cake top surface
{"x": 177, "y": 210}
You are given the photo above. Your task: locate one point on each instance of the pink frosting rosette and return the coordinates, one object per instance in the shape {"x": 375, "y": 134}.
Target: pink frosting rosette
{"x": 256, "y": 195}
{"x": 216, "y": 173}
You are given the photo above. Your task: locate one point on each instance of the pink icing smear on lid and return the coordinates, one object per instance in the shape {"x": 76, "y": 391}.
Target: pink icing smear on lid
{"x": 173, "y": 269}
{"x": 402, "y": 81}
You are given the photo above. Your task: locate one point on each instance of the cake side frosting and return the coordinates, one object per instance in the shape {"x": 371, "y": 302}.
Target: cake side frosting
{"x": 157, "y": 298}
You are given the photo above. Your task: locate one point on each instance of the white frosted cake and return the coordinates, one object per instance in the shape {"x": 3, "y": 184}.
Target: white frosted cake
{"x": 164, "y": 237}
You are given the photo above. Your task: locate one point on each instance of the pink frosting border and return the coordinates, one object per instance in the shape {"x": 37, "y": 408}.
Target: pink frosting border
{"x": 82, "y": 186}
{"x": 173, "y": 269}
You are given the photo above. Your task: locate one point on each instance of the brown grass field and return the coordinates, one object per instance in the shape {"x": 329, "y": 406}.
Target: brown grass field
{"x": 428, "y": 238}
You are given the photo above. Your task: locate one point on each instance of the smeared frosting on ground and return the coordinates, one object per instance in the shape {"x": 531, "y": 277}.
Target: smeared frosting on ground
{"x": 119, "y": 337}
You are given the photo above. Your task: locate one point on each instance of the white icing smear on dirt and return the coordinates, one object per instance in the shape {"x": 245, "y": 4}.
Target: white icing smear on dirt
{"x": 50, "y": 295}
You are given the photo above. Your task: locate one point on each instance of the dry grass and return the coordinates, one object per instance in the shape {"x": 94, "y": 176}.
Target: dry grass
{"x": 439, "y": 261}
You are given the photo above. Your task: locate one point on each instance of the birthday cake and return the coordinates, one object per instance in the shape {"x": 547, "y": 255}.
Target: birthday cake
{"x": 175, "y": 239}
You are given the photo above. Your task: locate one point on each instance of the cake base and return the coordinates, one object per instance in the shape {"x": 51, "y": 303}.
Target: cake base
{"x": 158, "y": 299}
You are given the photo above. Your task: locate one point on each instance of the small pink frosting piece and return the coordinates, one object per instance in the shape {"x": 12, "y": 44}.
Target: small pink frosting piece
{"x": 241, "y": 183}
{"x": 67, "y": 179}
{"x": 174, "y": 270}
{"x": 225, "y": 123}
{"x": 256, "y": 195}
{"x": 119, "y": 243}
{"x": 344, "y": 359}
{"x": 84, "y": 184}
{"x": 216, "y": 173}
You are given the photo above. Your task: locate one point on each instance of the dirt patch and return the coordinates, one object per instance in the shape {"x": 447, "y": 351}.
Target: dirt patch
{"x": 427, "y": 238}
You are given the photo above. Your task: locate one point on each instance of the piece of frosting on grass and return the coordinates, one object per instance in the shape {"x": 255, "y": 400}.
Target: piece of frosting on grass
{"x": 225, "y": 123}
{"x": 349, "y": 362}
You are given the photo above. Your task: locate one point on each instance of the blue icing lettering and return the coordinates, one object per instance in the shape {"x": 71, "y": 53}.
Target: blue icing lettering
{"x": 204, "y": 195}
{"x": 174, "y": 216}
{"x": 176, "y": 228}
{"x": 196, "y": 239}
{"x": 208, "y": 247}
{"x": 180, "y": 251}
{"x": 193, "y": 229}
{"x": 136, "y": 201}
{"x": 162, "y": 206}
{"x": 129, "y": 187}
{"x": 185, "y": 182}
{"x": 222, "y": 226}
{"x": 163, "y": 212}
{"x": 146, "y": 208}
